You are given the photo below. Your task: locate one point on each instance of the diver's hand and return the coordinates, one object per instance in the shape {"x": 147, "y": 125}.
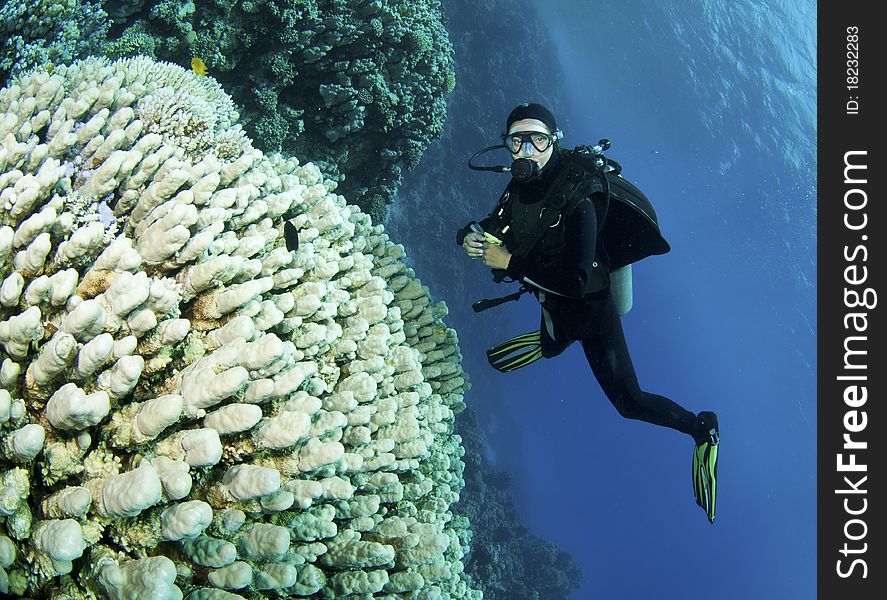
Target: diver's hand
{"x": 496, "y": 256}
{"x": 473, "y": 244}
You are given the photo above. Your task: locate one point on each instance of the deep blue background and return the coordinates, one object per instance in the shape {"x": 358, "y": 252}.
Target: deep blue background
{"x": 711, "y": 110}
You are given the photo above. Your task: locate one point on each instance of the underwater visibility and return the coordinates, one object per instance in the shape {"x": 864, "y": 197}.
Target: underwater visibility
{"x": 289, "y": 292}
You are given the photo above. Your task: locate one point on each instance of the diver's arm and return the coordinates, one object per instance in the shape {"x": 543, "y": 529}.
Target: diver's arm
{"x": 572, "y": 273}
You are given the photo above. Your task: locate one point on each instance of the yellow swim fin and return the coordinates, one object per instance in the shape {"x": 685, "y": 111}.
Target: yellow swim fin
{"x": 705, "y": 465}
{"x": 517, "y": 352}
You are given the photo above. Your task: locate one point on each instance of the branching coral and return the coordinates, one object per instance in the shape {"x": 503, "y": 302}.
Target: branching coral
{"x": 187, "y": 406}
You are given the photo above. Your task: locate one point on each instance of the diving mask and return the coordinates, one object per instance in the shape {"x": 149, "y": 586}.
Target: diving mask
{"x": 520, "y": 141}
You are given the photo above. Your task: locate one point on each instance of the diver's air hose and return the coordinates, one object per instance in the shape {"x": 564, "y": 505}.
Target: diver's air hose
{"x": 605, "y": 182}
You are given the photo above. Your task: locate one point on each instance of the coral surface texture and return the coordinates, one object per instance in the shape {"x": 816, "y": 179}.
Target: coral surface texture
{"x": 48, "y": 32}
{"x": 357, "y": 86}
{"x": 189, "y": 407}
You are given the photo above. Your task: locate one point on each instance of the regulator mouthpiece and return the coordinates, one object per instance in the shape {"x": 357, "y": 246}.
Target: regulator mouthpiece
{"x": 524, "y": 170}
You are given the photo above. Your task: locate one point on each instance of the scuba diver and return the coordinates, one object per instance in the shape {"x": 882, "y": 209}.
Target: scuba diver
{"x": 567, "y": 227}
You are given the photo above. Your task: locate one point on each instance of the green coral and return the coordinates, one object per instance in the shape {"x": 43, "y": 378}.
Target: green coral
{"x": 378, "y": 28}
{"x": 274, "y": 129}
{"x": 449, "y": 82}
{"x": 205, "y": 45}
{"x": 266, "y": 97}
{"x": 133, "y": 42}
{"x": 412, "y": 154}
{"x": 174, "y": 12}
{"x": 418, "y": 43}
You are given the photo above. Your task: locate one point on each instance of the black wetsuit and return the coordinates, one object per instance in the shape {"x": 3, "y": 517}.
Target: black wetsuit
{"x": 568, "y": 273}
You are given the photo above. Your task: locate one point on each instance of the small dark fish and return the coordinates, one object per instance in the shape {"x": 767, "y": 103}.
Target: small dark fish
{"x": 291, "y": 236}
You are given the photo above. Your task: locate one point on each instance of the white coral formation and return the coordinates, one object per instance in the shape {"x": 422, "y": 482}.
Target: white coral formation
{"x": 185, "y": 402}
{"x": 185, "y": 520}
{"x": 59, "y": 540}
{"x": 71, "y": 408}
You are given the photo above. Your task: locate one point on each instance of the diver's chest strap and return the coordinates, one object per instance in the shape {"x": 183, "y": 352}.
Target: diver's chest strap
{"x": 562, "y": 197}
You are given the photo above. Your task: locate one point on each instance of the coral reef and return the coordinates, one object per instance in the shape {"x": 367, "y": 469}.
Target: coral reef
{"x": 47, "y": 33}
{"x": 187, "y": 407}
{"x": 356, "y": 86}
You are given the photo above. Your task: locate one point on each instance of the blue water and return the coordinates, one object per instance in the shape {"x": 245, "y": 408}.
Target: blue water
{"x": 711, "y": 110}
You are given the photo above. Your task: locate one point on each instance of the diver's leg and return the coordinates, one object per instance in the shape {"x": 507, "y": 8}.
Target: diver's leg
{"x": 608, "y": 356}
{"x": 527, "y": 348}
{"x": 552, "y": 337}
